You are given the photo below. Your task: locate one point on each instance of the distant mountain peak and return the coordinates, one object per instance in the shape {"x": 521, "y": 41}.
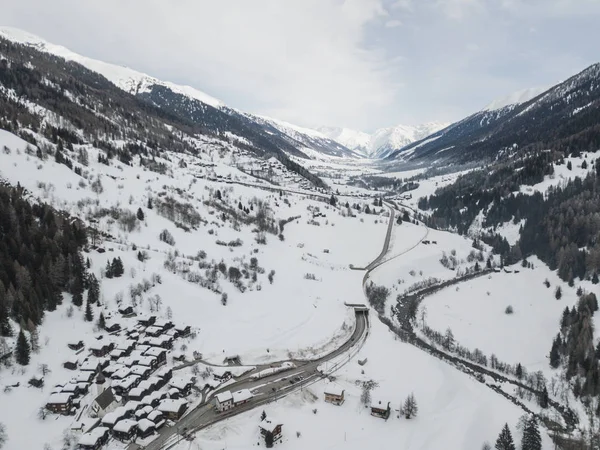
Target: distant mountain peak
{"x": 384, "y": 140}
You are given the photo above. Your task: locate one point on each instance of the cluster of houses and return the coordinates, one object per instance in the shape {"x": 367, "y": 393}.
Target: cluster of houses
{"x": 379, "y": 408}
{"x": 134, "y": 392}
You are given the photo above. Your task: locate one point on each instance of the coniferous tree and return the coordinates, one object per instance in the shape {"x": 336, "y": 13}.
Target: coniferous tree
{"x": 569, "y": 165}
{"x": 93, "y": 295}
{"x": 532, "y": 439}
{"x": 5, "y": 328}
{"x": 23, "y": 350}
{"x": 109, "y": 270}
{"x": 543, "y": 398}
{"x": 555, "y": 352}
{"x": 149, "y": 203}
{"x": 558, "y": 293}
{"x": 410, "y": 408}
{"x": 101, "y": 321}
{"x": 519, "y": 371}
{"x": 505, "y": 440}
{"x": 89, "y": 314}
{"x": 117, "y": 267}
{"x": 78, "y": 292}
{"x": 269, "y": 439}
{"x": 140, "y": 214}
{"x": 595, "y": 278}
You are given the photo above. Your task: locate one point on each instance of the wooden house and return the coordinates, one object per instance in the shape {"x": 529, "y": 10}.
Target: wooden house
{"x": 183, "y": 384}
{"x": 223, "y": 401}
{"x": 71, "y": 388}
{"x": 157, "y": 417}
{"x": 222, "y": 375}
{"x": 137, "y": 393}
{"x": 183, "y": 330}
{"x": 173, "y": 409}
{"x": 334, "y": 395}
{"x": 147, "y": 321}
{"x": 94, "y": 439}
{"x": 125, "y": 430}
{"x": 159, "y": 353}
{"x": 165, "y": 374}
{"x": 75, "y": 345}
{"x": 142, "y": 371}
{"x": 145, "y": 428}
{"x": 143, "y": 412}
{"x": 72, "y": 363}
{"x": 91, "y": 365}
{"x": 36, "y": 381}
{"x": 100, "y": 349}
{"x": 112, "y": 327}
{"x": 111, "y": 418}
{"x": 153, "y": 331}
{"x": 126, "y": 311}
{"x": 380, "y": 409}
{"x": 60, "y": 403}
{"x": 271, "y": 425}
{"x": 122, "y": 387}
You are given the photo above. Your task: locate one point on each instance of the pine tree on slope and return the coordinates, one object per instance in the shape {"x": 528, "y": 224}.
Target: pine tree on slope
{"x": 94, "y": 290}
{"x": 505, "y": 440}
{"x": 89, "y": 314}
{"x": 23, "y": 350}
{"x": 532, "y": 439}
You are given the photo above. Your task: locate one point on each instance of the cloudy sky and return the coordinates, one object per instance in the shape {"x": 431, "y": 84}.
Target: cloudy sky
{"x": 361, "y": 64}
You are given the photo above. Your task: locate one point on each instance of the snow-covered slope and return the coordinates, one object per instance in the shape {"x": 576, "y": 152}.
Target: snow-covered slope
{"x": 384, "y": 140}
{"x": 125, "y": 78}
{"x": 516, "y": 98}
{"x": 160, "y": 93}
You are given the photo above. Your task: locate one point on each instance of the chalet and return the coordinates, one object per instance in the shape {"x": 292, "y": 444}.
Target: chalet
{"x": 148, "y": 361}
{"x": 60, "y": 403}
{"x": 112, "y": 327}
{"x": 222, "y": 375}
{"x": 116, "y": 354}
{"x": 380, "y": 409}
{"x": 241, "y": 397}
{"x": 132, "y": 360}
{"x": 109, "y": 370}
{"x": 159, "y": 353}
{"x": 145, "y": 428}
{"x": 157, "y": 417}
{"x": 78, "y": 345}
{"x": 223, "y": 401}
{"x": 137, "y": 393}
{"x": 122, "y": 387}
{"x": 126, "y": 348}
{"x": 151, "y": 384}
{"x": 94, "y": 439}
{"x": 126, "y": 311}
{"x": 162, "y": 341}
{"x": 142, "y": 371}
{"x": 334, "y": 395}
{"x": 90, "y": 365}
{"x": 36, "y": 381}
{"x": 111, "y": 418}
{"x": 72, "y": 363}
{"x": 143, "y": 412}
{"x": 131, "y": 407}
{"x": 104, "y": 403}
{"x": 233, "y": 360}
{"x": 270, "y": 425}
{"x": 100, "y": 349}
{"x": 147, "y": 321}
{"x": 165, "y": 374}
{"x": 123, "y": 372}
{"x": 164, "y": 324}
{"x": 172, "y": 333}
{"x": 125, "y": 430}
{"x": 173, "y": 409}
{"x": 154, "y": 331}
{"x": 183, "y": 384}
{"x": 71, "y": 388}
{"x": 178, "y": 356}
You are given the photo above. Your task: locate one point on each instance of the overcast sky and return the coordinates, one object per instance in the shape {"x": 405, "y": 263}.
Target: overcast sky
{"x": 361, "y": 64}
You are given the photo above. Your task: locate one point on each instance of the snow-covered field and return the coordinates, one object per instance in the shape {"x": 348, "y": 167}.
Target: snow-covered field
{"x": 476, "y": 313}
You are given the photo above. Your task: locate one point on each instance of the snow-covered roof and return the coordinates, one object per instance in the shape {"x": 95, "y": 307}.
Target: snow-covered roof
{"x": 269, "y": 423}
{"x": 379, "y": 404}
{"x": 242, "y": 395}
{"x": 154, "y": 351}
{"x": 131, "y": 405}
{"x": 90, "y": 438}
{"x": 121, "y": 373}
{"x": 90, "y": 365}
{"x": 171, "y": 405}
{"x": 146, "y": 360}
{"x": 139, "y": 370}
{"x": 223, "y": 397}
{"x": 155, "y": 415}
{"x": 60, "y": 397}
{"x": 153, "y": 329}
{"x": 334, "y": 390}
{"x": 180, "y": 382}
{"x": 145, "y": 424}
{"x": 124, "y": 426}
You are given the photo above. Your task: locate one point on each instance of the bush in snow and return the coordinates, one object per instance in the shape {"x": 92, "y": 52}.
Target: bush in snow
{"x": 509, "y": 309}
{"x": 166, "y": 237}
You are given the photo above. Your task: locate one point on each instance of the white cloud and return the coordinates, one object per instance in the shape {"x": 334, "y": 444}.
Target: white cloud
{"x": 394, "y": 23}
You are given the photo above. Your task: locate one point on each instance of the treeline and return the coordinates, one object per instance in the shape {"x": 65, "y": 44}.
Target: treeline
{"x": 39, "y": 259}
{"x": 561, "y": 227}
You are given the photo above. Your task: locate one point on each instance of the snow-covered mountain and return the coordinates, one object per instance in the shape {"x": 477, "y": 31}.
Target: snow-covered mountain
{"x": 192, "y": 104}
{"x": 384, "y": 140}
